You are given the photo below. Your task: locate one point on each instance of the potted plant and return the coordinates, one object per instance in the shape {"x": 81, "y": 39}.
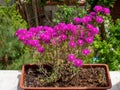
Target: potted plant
{"x": 62, "y": 50}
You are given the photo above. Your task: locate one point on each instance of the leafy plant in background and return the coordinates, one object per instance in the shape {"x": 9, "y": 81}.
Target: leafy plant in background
{"x": 10, "y": 20}
{"x": 67, "y": 13}
{"x": 108, "y": 50}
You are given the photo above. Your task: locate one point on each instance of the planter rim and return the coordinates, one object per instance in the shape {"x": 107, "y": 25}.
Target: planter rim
{"x": 66, "y": 88}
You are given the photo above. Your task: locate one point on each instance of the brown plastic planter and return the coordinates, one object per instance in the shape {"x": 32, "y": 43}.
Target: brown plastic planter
{"x": 67, "y": 88}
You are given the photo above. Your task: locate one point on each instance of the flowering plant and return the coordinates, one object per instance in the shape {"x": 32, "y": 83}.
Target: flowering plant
{"x": 65, "y": 41}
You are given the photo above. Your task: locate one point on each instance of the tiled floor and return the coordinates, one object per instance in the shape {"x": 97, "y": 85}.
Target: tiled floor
{"x": 9, "y": 80}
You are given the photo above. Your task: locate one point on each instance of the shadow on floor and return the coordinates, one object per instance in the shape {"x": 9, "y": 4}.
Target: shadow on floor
{"x": 18, "y": 86}
{"x": 115, "y": 87}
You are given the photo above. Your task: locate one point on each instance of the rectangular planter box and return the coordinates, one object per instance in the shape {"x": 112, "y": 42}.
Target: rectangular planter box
{"x": 68, "y": 88}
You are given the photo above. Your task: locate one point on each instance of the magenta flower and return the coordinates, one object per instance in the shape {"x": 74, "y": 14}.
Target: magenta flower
{"x": 56, "y": 28}
{"x": 21, "y": 37}
{"x": 89, "y": 40}
{"x": 90, "y": 26}
{"x": 29, "y": 36}
{"x": 95, "y": 31}
{"x": 98, "y": 8}
{"x": 20, "y": 32}
{"x": 85, "y": 52}
{"x": 63, "y": 37}
{"x": 72, "y": 28}
{"x": 77, "y": 20}
{"x": 106, "y": 11}
{"x": 39, "y": 28}
{"x": 33, "y": 30}
{"x": 80, "y": 42}
{"x": 33, "y": 43}
{"x": 49, "y": 31}
{"x": 78, "y": 62}
{"x": 71, "y": 57}
{"x": 38, "y": 45}
{"x": 72, "y": 44}
{"x": 92, "y": 13}
{"x": 46, "y": 38}
{"x": 82, "y": 34}
{"x": 90, "y": 34}
{"x": 40, "y": 49}
{"x": 86, "y": 19}
{"x": 99, "y": 19}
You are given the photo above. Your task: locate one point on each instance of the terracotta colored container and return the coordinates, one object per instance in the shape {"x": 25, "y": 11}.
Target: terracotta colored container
{"x": 67, "y": 88}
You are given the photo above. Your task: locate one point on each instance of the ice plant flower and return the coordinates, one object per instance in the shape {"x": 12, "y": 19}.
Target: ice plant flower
{"x": 94, "y": 30}
{"x": 78, "y": 62}
{"x": 89, "y": 26}
{"x": 98, "y": 8}
{"x": 86, "y": 19}
{"x": 20, "y": 32}
{"x": 72, "y": 44}
{"x": 63, "y": 37}
{"x": 80, "y": 42}
{"x": 99, "y": 19}
{"x": 89, "y": 40}
{"x": 72, "y": 28}
{"x": 29, "y": 35}
{"x": 33, "y": 43}
{"x": 71, "y": 57}
{"x": 106, "y": 11}
{"x": 77, "y": 20}
{"x": 40, "y": 49}
{"x": 93, "y": 13}
{"x": 85, "y": 52}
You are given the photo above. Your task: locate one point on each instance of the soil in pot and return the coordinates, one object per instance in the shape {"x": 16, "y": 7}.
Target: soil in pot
{"x": 86, "y": 77}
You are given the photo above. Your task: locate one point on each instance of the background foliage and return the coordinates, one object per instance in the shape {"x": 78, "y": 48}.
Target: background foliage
{"x": 10, "y": 49}
{"x": 67, "y": 13}
{"x": 108, "y": 50}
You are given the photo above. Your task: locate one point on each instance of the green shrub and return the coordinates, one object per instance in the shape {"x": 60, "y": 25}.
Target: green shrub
{"x": 10, "y": 21}
{"x": 67, "y": 13}
{"x": 108, "y": 50}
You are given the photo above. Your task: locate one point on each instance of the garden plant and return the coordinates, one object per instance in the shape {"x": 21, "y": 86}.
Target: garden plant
{"x": 107, "y": 51}
{"x": 61, "y": 50}
{"x": 12, "y": 53}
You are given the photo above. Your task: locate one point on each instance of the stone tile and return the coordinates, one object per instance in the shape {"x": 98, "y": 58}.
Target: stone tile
{"x": 9, "y": 80}
{"x": 115, "y": 77}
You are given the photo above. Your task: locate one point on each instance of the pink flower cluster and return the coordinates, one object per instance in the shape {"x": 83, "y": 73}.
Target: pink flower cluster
{"x": 78, "y": 35}
{"x": 93, "y": 16}
{"x": 77, "y": 62}
{"x": 101, "y": 9}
